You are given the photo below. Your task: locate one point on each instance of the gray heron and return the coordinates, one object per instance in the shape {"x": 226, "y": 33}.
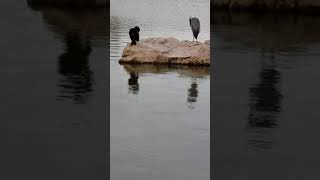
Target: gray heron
{"x": 195, "y": 27}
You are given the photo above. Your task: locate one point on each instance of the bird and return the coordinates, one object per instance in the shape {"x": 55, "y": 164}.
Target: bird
{"x": 195, "y": 27}
{"x": 134, "y": 35}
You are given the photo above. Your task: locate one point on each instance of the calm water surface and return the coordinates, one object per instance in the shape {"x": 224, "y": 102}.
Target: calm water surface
{"x": 159, "y": 114}
{"x": 53, "y": 92}
{"x": 266, "y": 97}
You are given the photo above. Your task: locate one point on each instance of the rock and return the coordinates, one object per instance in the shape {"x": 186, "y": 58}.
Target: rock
{"x": 268, "y": 5}
{"x": 90, "y": 22}
{"x": 69, "y": 3}
{"x": 167, "y": 51}
{"x": 267, "y": 33}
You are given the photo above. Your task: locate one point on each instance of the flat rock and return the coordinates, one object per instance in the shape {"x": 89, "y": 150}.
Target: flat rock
{"x": 167, "y": 50}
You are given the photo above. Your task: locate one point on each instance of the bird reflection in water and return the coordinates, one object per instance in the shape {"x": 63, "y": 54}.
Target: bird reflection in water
{"x": 78, "y": 30}
{"x": 76, "y": 81}
{"x": 192, "y": 93}
{"x": 133, "y": 84}
{"x": 264, "y": 107}
{"x": 193, "y": 72}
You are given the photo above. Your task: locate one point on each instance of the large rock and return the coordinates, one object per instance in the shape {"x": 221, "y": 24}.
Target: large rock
{"x": 69, "y": 3}
{"x": 277, "y": 33}
{"x": 273, "y": 5}
{"x": 167, "y": 51}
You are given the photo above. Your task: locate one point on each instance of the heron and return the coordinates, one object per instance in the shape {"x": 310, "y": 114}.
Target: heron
{"x": 195, "y": 27}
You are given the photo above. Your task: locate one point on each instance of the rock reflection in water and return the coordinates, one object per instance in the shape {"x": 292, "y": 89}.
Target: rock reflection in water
{"x": 79, "y": 31}
{"x": 264, "y": 106}
{"x": 194, "y": 72}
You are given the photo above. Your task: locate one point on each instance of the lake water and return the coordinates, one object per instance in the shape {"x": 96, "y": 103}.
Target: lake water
{"x": 53, "y": 92}
{"x": 160, "y": 115}
{"x": 266, "y": 96}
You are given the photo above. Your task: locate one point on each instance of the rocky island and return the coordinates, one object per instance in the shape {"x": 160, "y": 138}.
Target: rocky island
{"x": 70, "y": 3}
{"x": 167, "y": 50}
{"x": 306, "y": 6}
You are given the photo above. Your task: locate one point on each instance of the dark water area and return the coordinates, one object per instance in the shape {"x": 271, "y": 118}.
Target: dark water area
{"x": 265, "y": 96}
{"x": 53, "y": 92}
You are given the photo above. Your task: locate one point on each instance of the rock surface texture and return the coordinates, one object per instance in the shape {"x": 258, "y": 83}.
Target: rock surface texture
{"x": 167, "y": 51}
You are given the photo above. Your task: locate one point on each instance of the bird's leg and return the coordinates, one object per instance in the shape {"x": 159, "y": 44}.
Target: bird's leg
{"x": 193, "y": 39}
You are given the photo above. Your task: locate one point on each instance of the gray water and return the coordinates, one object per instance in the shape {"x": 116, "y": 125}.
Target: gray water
{"x": 53, "y": 92}
{"x": 266, "y": 96}
{"x": 159, "y": 114}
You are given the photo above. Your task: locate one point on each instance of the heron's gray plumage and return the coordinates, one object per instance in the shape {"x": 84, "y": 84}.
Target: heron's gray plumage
{"x": 195, "y": 26}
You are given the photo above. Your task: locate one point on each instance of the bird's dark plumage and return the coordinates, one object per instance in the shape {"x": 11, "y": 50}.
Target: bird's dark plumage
{"x": 134, "y": 35}
{"x": 195, "y": 26}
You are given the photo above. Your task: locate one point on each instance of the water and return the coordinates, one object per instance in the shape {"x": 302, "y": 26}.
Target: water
{"x": 266, "y": 96}
{"x": 53, "y": 92}
{"x": 159, "y": 114}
